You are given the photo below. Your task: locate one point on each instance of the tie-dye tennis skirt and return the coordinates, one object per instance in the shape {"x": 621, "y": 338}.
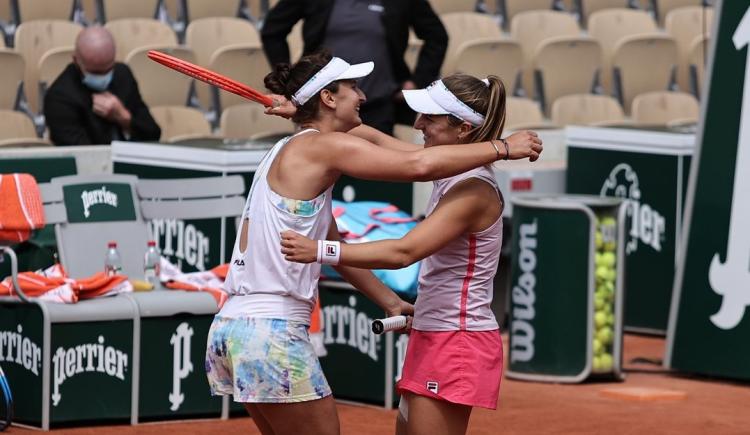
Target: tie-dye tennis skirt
{"x": 263, "y": 361}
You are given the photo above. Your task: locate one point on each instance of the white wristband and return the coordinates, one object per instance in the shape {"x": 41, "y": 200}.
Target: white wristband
{"x": 329, "y": 252}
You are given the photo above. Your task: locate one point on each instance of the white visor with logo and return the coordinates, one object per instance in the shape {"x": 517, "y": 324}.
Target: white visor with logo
{"x": 437, "y": 99}
{"x": 336, "y": 69}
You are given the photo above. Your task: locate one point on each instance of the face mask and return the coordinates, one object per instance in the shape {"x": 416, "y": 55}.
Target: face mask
{"x": 97, "y": 82}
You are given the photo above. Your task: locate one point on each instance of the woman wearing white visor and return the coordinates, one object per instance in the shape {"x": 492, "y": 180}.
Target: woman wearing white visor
{"x": 258, "y": 346}
{"x": 454, "y": 358}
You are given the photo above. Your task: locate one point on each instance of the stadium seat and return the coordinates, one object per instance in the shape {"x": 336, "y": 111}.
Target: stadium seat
{"x": 7, "y": 21}
{"x": 247, "y": 121}
{"x": 697, "y": 64}
{"x": 205, "y": 36}
{"x": 496, "y": 56}
{"x": 17, "y": 129}
{"x": 197, "y": 9}
{"x": 30, "y": 10}
{"x": 110, "y": 10}
{"x": 256, "y": 8}
{"x": 296, "y": 43}
{"x": 508, "y": 9}
{"x": 587, "y": 109}
{"x": 530, "y": 28}
{"x": 663, "y": 7}
{"x": 523, "y": 113}
{"x": 88, "y": 10}
{"x": 588, "y": 7}
{"x": 160, "y": 86}
{"x": 412, "y": 50}
{"x": 684, "y": 25}
{"x": 608, "y": 26}
{"x": 180, "y": 123}
{"x": 663, "y": 107}
{"x": 33, "y": 39}
{"x": 11, "y": 78}
{"x": 657, "y": 51}
{"x": 565, "y": 65}
{"x": 133, "y": 33}
{"x": 463, "y": 27}
{"x": 52, "y": 63}
{"x": 245, "y": 63}
{"x": 447, "y": 6}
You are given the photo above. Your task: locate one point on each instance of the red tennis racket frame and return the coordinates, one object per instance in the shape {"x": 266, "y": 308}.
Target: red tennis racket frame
{"x": 211, "y": 77}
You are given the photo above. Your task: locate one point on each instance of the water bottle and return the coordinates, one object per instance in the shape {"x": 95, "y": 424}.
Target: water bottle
{"x": 112, "y": 262}
{"x": 151, "y": 264}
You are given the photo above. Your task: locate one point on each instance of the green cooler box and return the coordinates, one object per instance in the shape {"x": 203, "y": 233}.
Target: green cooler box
{"x": 172, "y": 334}
{"x": 360, "y": 365}
{"x": 567, "y": 280}
{"x": 648, "y": 169}
{"x": 70, "y": 364}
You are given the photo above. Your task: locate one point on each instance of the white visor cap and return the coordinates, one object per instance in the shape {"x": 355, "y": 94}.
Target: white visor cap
{"x": 335, "y": 69}
{"x": 437, "y": 99}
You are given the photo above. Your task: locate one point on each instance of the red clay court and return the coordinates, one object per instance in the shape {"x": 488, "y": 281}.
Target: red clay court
{"x": 681, "y": 405}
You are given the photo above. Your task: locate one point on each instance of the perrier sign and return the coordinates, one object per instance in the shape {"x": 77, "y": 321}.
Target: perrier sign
{"x": 710, "y": 325}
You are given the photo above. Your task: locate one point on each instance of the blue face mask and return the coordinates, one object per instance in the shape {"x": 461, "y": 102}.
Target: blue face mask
{"x": 97, "y": 82}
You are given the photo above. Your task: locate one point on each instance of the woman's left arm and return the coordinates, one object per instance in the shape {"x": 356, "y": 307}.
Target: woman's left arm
{"x": 454, "y": 215}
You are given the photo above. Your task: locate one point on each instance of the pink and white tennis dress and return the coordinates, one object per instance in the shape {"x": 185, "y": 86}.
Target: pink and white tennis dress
{"x": 455, "y": 352}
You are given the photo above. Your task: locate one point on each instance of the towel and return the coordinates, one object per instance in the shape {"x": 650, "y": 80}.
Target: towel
{"x": 21, "y": 209}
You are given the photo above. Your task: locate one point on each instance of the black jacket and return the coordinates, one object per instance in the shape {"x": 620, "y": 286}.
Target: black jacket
{"x": 399, "y": 15}
{"x": 71, "y": 120}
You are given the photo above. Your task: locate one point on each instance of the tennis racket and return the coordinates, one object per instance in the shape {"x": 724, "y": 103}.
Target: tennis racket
{"x": 6, "y": 402}
{"x": 380, "y": 326}
{"x": 211, "y": 77}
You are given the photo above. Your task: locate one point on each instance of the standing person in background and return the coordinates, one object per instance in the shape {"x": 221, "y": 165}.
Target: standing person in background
{"x": 95, "y": 100}
{"x": 258, "y": 347}
{"x": 363, "y": 30}
{"x": 454, "y": 357}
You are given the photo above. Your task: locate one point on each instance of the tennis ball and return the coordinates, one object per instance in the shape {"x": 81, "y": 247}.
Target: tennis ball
{"x": 608, "y": 221}
{"x": 602, "y": 273}
{"x": 596, "y": 364}
{"x": 600, "y": 319}
{"x": 609, "y": 246}
{"x": 598, "y": 302}
{"x": 606, "y": 362}
{"x": 598, "y": 347}
{"x": 598, "y": 259}
{"x": 598, "y": 241}
{"x": 608, "y": 259}
{"x": 605, "y": 335}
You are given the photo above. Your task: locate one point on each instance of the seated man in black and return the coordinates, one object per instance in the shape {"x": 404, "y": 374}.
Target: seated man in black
{"x": 96, "y": 100}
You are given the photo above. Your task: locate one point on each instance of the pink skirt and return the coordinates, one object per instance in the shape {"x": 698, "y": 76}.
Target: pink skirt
{"x": 461, "y": 367}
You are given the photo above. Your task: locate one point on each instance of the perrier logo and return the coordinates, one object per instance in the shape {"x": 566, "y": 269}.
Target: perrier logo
{"x": 647, "y": 224}
{"x": 90, "y": 198}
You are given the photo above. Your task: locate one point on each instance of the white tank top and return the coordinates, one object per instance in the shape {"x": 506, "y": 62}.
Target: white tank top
{"x": 456, "y": 282}
{"x": 261, "y": 283}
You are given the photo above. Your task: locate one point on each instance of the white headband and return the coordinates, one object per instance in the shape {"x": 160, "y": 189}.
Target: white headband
{"x": 437, "y": 99}
{"x": 336, "y": 69}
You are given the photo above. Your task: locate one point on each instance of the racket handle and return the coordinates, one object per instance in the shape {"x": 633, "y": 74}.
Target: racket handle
{"x": 380, "y": 326}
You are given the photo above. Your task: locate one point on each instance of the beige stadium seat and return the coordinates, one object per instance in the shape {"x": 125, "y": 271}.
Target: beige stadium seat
{"x": 30, "y": 10}
{"x": 412, "y": 50}
{"x": 697, "y": 64}
{"x": 588, "y": 7}
{"x": 508, "y": 9}
{"x": 17, "y": 129}
{"x": 663, "y": 107}
{"x": 609, "y": 26}
{"x": 173, "y": 9}
{"x": 587, "y": 109}
{"x": 89, "y": 10}
{"x": 565, "y": 65}
{"x": 466, "y": 26}
{"x": 33, "y": 39}
{"x": 207, "y": 35}
{"x": 160, "y": 86}
{"x": 684, "y": 25}
{"x": 295, "y": 42}
{"x": 197, "y": 9}
{"x": 530, "y": 28}
{"x": 180, "y": 123}
{"x": 119, "y": 9}
{"x": 11, "y": 78}
{"x": 523, "y": 113}
{"x": 52, "y": 63}
{"x": 247, "y": 64}
{"x": 490, "y": 56}
{"x": 447, "y": 6}
{"x": 664, "y": 7}
{"x": 247, "y": 121}
{"x": 133, "y": 33}
{"x": 657, "y": 51}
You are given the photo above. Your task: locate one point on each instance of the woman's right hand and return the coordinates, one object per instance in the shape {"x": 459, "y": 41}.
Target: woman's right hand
{"x": 281, "y": 107}
{"x": 523, "y": 144}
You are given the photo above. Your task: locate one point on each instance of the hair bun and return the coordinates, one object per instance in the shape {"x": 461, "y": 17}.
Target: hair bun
{"x": 278, "y": 79}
